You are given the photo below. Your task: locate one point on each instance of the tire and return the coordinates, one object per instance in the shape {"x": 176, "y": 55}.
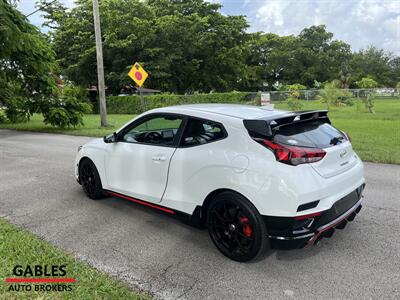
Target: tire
{"x": 90, "y": 180}
{"x": 236, "y": 227}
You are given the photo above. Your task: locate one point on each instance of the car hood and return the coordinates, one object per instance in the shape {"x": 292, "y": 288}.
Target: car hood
{"x": 95, "y": 143}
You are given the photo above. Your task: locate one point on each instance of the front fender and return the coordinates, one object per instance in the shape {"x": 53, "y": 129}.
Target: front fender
{"x": 95, "y": 151}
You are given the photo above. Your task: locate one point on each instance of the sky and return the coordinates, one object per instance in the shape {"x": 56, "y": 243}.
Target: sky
{"x": 358, "y": 22}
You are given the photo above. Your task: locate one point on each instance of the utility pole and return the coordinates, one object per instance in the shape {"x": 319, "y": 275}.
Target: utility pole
{"x": 100, "y": 67}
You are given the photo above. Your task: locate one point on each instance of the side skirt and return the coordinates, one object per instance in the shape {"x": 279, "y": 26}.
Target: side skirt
{"x": 189, "y": 219}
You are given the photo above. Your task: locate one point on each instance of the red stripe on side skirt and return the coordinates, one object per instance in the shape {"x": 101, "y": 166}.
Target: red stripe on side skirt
{"x": 169, "y": 211}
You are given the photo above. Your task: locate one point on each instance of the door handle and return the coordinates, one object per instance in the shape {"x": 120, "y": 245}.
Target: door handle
{"x": 159, "y": 158}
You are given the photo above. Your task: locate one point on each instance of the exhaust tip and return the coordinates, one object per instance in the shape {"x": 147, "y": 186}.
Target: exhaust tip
{"x": 316, "y": 242}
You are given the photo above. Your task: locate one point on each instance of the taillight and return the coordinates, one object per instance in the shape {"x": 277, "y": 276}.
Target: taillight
{"x": 294, "y": 155}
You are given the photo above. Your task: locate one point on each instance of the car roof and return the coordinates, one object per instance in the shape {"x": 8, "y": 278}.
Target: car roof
{"x": 239, "y": 111}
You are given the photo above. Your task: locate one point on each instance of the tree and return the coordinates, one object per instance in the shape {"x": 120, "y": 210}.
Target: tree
{"x": 395, "y": 70}
{"x": 321, "y": 57}
{"x": 26, "y": 65}
{"x": 367, "y": 83}
{"x": 312, "y": 56}
{"x": 295, "y": 93}
{"x": 333, "y": 95}
{"x": 67, "y": 109}
{"x": 189, "y": 46}
{"x": 375, "y": 63}
{"x": 185, "y": 45}
{"x": 345, "y": 77}
{"x": 270, "y": 59}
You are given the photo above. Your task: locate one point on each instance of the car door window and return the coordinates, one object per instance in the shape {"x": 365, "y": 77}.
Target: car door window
{"x": 158, "y": 130}
{"x": 198, "y": 132}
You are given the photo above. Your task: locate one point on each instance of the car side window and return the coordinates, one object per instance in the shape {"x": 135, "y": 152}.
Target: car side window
{"x": 157, "y": 130}
{"x": 198, "y": 132}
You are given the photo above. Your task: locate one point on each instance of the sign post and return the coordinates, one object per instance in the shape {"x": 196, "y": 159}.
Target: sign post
{"x": 142, "y": 103}
{"x": 139, "y": 75}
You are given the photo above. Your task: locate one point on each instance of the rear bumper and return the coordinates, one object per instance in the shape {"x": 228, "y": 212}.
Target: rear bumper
{"x": 288, "y": 233}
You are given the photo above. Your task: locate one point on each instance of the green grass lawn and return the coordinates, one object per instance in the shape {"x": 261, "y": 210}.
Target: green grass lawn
{"x": 376, "y": 137}
{"x": 91, "y": 127}
{"x": 19, "y": 247}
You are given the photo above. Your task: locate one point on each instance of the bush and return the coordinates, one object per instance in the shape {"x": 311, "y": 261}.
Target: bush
{"x": 17, "y": 110}
{"x": 296, "y": 92}
{"x": 332, "y": 95}
{"x": 16, "y": 105}
{"x": 68, "y": 109}
{"x": 296, "y": 87}
{"x": 3, "y": 117}
{"x": 131, "y": 104}
{"x": 294, "y": 104}
{"x": 366, "y": 83}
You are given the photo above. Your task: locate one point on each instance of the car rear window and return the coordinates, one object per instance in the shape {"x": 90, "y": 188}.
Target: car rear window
{"x": 309, "y": 134}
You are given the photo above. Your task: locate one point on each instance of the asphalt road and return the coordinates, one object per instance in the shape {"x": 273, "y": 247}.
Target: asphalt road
{"x": 173, "y": 260}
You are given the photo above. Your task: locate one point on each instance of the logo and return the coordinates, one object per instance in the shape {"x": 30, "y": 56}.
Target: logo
{"x": 40, "y": 279}
{"x": 343, "y": 153}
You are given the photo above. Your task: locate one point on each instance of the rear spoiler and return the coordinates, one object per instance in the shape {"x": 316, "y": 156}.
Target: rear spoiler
{"x": 266, "y": 127}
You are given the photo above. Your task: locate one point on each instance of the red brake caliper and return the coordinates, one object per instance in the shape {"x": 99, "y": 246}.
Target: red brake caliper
{"x": 247, "y": 230}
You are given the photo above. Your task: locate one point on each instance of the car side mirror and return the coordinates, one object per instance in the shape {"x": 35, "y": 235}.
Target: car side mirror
{"x": 112, "y": 138}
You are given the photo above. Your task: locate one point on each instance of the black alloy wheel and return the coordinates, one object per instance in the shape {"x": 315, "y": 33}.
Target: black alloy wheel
{"x": 90, "y": 180}
{"x": 236, "y": 228}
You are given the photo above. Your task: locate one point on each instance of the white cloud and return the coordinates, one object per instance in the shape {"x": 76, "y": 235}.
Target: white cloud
{"x": 246, "y": 2}
{"x": 359, "y": 23}
{"x": 272, "y": 13}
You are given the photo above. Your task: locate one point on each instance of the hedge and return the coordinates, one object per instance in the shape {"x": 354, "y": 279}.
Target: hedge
{"x": 131, "y": 104}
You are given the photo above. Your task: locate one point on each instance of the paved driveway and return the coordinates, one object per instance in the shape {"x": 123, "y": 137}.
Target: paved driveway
{"x": 172, "y": 260}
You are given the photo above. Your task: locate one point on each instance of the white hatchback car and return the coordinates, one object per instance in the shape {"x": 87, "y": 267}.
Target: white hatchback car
{"x": 255, "y": 178}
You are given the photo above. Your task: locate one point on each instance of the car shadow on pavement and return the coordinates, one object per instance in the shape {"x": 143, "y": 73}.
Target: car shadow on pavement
{"x": 167, "y": 225}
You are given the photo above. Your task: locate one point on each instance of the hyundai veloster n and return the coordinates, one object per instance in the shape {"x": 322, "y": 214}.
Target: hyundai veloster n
{"x": 256, "y": 178}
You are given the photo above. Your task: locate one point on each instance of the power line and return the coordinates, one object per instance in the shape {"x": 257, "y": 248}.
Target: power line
{"x": 40, "y": 8}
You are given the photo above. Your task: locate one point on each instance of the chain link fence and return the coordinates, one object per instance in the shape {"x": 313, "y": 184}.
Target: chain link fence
{"x": 310, "y": 95}
{"x": 132, "y": 104}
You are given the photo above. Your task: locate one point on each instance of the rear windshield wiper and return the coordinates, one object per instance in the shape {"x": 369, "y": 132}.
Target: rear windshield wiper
{"x": 336, "y": 140}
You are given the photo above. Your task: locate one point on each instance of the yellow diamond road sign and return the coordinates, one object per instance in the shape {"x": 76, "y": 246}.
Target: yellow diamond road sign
{"x": 138, "y": 74}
